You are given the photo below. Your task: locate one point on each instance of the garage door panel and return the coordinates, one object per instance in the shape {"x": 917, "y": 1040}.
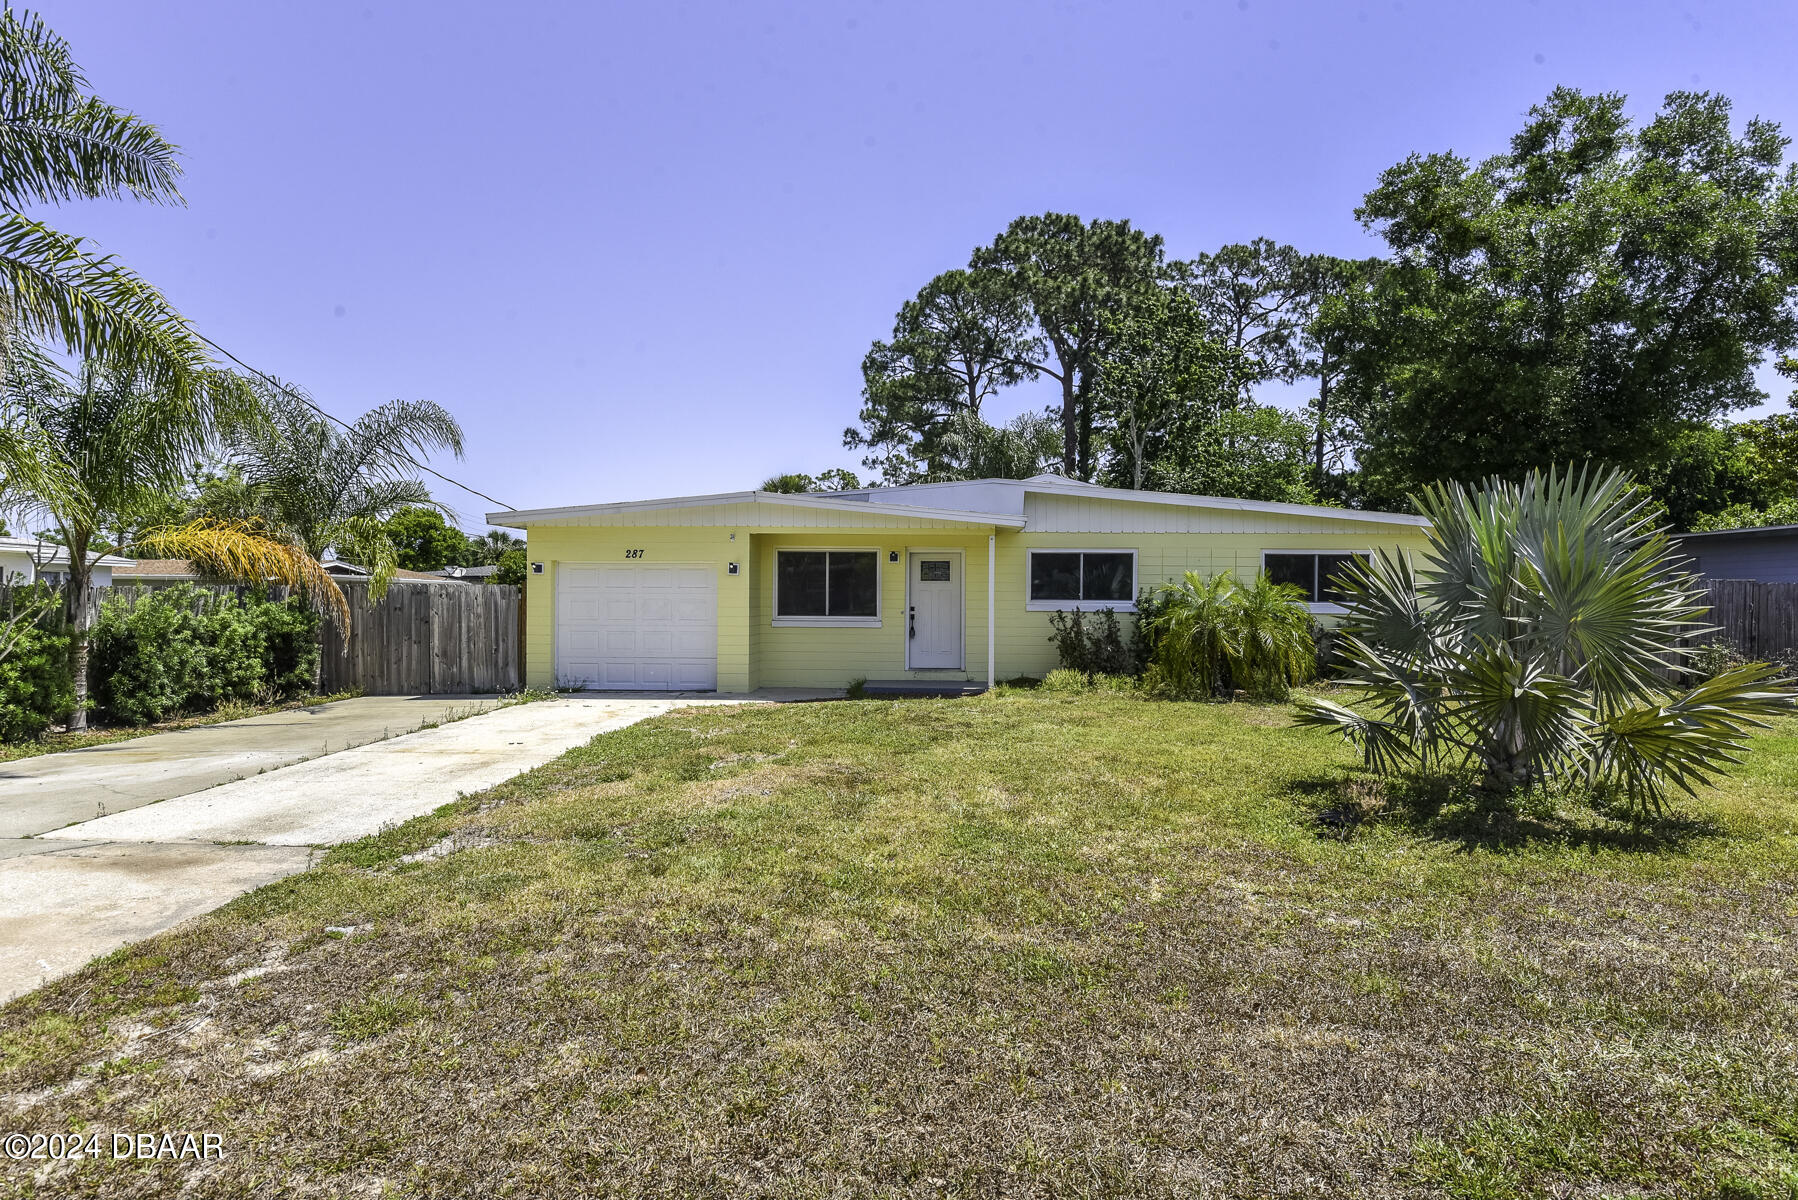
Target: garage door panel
{"x": 637, "y": 627}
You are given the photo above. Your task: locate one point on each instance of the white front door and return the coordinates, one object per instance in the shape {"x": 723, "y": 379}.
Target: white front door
{"x": 933, "y": 611}
{"x": 637, "y": 628}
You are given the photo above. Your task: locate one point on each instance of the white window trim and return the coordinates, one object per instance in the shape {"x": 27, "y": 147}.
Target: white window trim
{"x": 1116, "y": 606}
{"x": 1323, "y": 608}
{"x": 873, "y": 622}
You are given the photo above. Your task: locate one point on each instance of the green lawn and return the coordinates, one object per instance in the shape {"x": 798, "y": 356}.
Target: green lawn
{"x": 1023, "y": 945}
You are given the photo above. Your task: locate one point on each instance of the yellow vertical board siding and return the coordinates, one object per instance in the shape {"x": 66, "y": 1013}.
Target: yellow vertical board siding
{"x": 832, "y": 656}
{"x": 753, "y": 652}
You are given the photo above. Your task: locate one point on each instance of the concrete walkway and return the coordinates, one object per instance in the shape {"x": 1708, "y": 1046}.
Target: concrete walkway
{"x": 76, "y": 891}
{"x": 53, "y": 790}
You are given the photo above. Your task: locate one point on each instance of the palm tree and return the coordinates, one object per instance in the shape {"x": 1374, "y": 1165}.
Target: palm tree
{"x": 59, "y": 143}
{"x": 326, "y": 488}
{"x": 96, "y": 453}
{"x": 1212, "y": 630}
{"x": 1271, "y": 634}
{"x": 1192, "y": 633}
{"x": 489, "y": 546}
{"x": 1535, "y": 643}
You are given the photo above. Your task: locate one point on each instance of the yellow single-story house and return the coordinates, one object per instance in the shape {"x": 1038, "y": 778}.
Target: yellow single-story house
{"x": 926, "y": 583}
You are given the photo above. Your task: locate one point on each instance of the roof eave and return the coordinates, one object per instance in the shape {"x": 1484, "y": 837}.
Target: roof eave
{"x": 523, "y": 518}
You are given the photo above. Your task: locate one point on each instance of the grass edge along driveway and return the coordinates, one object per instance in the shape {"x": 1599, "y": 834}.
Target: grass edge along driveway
{"x": 1023, "y": 944}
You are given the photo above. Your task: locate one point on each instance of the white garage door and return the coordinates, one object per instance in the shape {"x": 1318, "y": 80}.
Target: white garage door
{"x": 637, "y": 628}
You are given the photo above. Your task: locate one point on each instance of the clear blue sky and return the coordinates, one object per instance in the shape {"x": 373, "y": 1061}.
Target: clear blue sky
{"x": 640, "y": 248}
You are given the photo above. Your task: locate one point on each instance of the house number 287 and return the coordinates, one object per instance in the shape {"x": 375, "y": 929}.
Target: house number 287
{"x": 633, "y": 554}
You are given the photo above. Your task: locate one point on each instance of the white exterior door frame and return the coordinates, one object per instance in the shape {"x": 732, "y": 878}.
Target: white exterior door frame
{"x": 937, "y": 611}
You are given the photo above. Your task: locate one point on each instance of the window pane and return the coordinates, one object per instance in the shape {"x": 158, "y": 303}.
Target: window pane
{"x": 799, "y": 583}
{"x": 1328, "y": 567}
{"x": 934, "y": 570}
{"x": 1300, "y": 570}
{"x": 853, "y": 583}
{"x": 1109, "y": 577}
{"x": 1055, "y": 577}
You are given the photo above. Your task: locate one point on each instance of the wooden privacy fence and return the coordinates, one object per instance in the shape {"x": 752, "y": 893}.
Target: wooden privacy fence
{"x": 420, "y": 638}
{"x": 1759, "y": 619}
{"x": 426, "y": 638}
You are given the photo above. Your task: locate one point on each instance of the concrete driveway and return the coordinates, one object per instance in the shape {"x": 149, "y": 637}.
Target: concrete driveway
{"x": 53, "y": 790}
{"x": 69, "y": 892}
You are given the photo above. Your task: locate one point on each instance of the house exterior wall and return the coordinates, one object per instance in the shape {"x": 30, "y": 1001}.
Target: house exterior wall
{"x": 831, "y": 656}
{"x": 754, "y": 652}
{"x": 1767, "y": 558}
{"x": 16, "y": 567}
{"x": 702, "y": 536}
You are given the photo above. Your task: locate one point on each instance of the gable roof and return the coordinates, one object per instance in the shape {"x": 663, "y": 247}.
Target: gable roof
{"x": 967, "y": 501}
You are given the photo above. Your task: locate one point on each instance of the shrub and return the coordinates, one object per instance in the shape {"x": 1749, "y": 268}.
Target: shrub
{"x": 35, "y": 686}
{"x": 1151, "y": 603}
{"x": 182, "y": 649}
{"x": 1212, "y": 635}
{"x": 1095, "y": 650}
{"x": 236, "y": 653}
{"x": 1274, "y": 646}
{"x": 149, "y": 659}
{"x": 289, "y": 646}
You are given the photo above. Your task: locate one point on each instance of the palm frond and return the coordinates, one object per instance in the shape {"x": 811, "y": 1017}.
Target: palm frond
{"x": 1690, "y": 738}
{"x": 363, "y": 540}
{"x": 50, "y": 286}
{"x": 58, "y": 143}
{"x": 1384, "y": 747}
{"x": 241, "y": 551}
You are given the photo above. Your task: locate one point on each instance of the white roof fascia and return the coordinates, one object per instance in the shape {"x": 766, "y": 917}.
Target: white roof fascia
{"x": 1091, "y": 491}
{"x": 54, "y": 557}
{"x": 521, "y": 518}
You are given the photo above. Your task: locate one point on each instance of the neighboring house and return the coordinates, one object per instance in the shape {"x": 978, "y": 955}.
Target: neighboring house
{"x": 162, "y": 572}
{"x": 468, "y": 574}
{"x": 27, "y": 560}
{"x": 155, "y": 572}
{"x": 1768, "y": 554}
{"x": 350, "y": 572}
{"x": 928, "y": 582}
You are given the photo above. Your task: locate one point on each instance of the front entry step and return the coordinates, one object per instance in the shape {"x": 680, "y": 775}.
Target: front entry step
{"x": 922, "y": 687}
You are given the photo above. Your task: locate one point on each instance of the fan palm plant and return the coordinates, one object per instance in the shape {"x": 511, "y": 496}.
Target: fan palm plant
{"x": 1535, "y": 643}
{"x": 59, "y": 143}
{"x": 330, "y": 489}
{"x": 93, "y": 454}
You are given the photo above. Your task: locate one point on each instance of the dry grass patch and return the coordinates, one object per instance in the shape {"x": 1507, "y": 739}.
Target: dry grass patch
{"x": 1022, "y": 945}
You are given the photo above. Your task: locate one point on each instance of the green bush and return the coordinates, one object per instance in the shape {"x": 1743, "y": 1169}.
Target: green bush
{"x": 148, "y": 660}
{"x": 1214, "y": 635}
{"x": 289, "y": 646}
{"x": 35, "y": 685}
{"x": 1095, "y": 650}
{"x": 182, "y": 649}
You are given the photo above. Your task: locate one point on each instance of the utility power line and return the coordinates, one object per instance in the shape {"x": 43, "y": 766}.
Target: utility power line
{"x": 308, "y": 402}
